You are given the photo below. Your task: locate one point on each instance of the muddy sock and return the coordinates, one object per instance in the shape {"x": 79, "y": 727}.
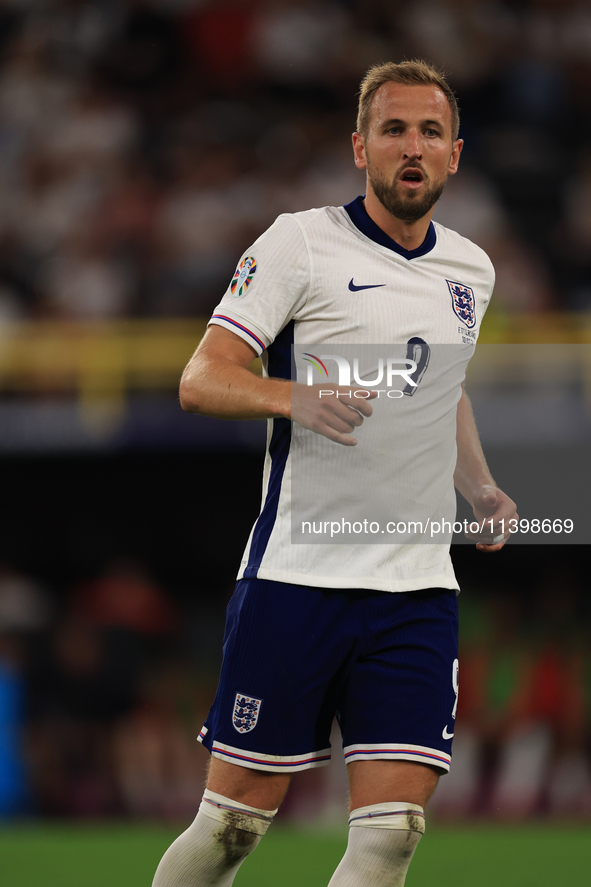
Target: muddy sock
{"x": 382, "y": 841}
{"x": 212, "y": 849}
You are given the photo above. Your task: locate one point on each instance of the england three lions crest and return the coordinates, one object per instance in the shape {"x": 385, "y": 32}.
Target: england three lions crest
{"x": 462, "y": 299}
{"x": 246, "y": 712}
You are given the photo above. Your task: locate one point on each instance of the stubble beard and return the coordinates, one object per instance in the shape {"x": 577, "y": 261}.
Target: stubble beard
{"x": 408, "y": 208}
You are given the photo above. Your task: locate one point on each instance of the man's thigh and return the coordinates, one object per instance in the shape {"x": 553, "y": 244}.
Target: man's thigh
{"x": 253, "y": 787}
{"x": 370, "y": 782}
{"x": 380, "y": 782}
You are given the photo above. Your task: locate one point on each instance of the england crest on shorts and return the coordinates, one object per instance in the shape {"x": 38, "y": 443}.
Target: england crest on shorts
{"x": 246, "y": 712}
{"x": 462, "y": 298}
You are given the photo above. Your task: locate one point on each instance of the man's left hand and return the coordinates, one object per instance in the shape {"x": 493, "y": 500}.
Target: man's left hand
{"x": 491, "y": 504}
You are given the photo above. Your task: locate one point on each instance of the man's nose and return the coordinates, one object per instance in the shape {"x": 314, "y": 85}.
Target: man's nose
{"x": 412, "y": 145}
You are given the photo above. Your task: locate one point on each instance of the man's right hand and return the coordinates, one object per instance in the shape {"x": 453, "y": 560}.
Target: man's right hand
{"x": 331, "y": 410}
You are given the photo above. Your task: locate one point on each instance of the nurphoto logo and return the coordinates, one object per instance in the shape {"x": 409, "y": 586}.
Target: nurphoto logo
{"x": 388, "y": 367}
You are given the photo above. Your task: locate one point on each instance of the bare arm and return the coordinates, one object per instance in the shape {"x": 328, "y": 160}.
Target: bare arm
{"x": 217, "y": 382}
{"x": 474, "y": 481}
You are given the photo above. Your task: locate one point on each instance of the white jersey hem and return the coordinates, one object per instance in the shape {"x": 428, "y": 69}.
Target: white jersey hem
{"x": 438, "y": 580}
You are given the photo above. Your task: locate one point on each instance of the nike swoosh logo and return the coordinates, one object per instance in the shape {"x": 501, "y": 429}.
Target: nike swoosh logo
{"x": 370, "y": 286}
{"x": 445, "y": 734}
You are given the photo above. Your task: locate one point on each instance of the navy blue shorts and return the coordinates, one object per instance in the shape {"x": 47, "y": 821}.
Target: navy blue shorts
{"x": 295, "y": 656}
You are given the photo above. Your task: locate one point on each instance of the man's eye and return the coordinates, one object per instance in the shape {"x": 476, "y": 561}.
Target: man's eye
{"x": 432, "y": 132}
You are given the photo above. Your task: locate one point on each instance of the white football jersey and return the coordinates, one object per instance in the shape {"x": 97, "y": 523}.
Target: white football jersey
{"x": 330, "y": 279}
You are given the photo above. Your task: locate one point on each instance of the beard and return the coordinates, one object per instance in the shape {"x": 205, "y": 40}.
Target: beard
{"x": 408, "y": 207}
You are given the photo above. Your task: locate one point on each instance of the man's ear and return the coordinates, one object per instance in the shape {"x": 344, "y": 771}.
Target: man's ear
{"x": 359, "y": 150}
{"x": 455, "y": 156}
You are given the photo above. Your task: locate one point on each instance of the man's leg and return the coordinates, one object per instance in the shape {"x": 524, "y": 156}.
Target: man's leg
{"x": 386, "y": 822}
{"x": 256, "y": 787}
{"x": 237, "y": 808}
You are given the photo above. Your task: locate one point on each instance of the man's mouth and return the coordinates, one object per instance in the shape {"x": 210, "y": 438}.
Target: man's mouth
{"x": 412, "y": 178}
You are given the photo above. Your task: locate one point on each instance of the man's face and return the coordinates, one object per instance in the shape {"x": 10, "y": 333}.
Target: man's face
{"x": 408, "y": 151}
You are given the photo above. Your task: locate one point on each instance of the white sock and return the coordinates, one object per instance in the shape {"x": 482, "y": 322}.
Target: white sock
{"x": 212, "y": 849}
{"x": 382, "y": 841}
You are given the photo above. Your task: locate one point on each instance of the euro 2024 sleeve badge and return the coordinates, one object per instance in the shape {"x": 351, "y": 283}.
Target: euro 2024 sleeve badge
{"x": 243, "y": 276}
{"x": 464, "y": 305}
{"x": 246, "y": 713}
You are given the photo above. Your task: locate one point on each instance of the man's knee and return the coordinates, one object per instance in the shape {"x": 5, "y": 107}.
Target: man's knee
{"x": 211, "y": 850}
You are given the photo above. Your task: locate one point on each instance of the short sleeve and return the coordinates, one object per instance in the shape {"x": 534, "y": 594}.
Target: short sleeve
{"x": 269, "y": 286}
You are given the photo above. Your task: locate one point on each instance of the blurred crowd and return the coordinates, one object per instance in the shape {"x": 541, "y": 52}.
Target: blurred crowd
{"x": 105, "y": 685}
{"x": 144, "y": 144}
{"x": 523, "y": 738}
{"x": 99, "y": 708}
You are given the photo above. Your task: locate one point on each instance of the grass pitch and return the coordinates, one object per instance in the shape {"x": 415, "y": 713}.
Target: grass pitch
{"x": 127, "y": 855}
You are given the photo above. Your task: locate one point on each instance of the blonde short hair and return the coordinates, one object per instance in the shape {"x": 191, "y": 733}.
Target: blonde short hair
{"x": 411, "y": 73}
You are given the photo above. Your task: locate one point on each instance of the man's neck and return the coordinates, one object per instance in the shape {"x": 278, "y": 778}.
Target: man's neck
{"x": 410, "y": 235}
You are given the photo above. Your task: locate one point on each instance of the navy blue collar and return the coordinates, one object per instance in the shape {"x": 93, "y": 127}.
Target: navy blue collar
{"x": 358, "y": 215}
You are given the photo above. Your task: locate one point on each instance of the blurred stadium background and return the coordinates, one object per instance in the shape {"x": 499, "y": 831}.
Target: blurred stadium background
{"x": 143, "y": 145}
